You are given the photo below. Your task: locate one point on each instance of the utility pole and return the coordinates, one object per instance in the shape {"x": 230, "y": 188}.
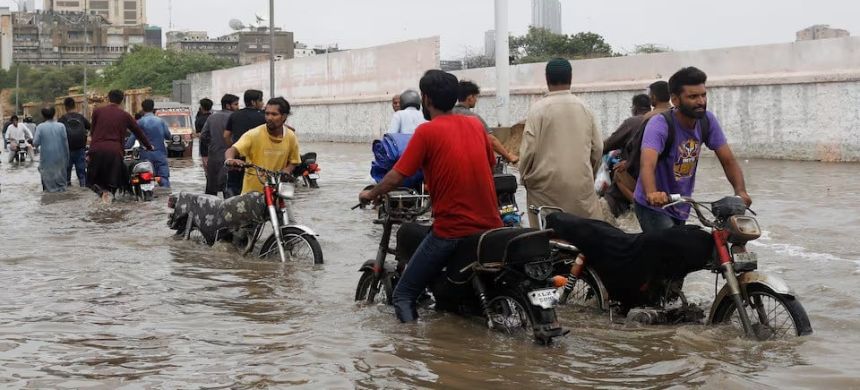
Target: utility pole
{"x": 271, "y": 48}
{"x": 503, "y": 90}
{"x": 86, "y": 57}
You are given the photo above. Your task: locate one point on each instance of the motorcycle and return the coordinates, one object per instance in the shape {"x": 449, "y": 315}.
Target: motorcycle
{"x": 21, "y": 153}
{"x": 502, "y": 275}
{"x": 642, "y": 275}
{"x": 141, "y": 175}
{"x": 243, "y": 219}
{"x": 308, "y": 170}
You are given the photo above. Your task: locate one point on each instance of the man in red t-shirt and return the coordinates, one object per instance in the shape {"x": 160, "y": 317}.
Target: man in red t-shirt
{"x": 457, "y": 159}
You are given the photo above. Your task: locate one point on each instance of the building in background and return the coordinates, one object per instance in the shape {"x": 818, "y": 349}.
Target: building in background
{"x": 546, "y": 14}
{"x": 152, "y": 36}
{"x": 6, "y": 39}
{"x": 821, "y": 31}
{"x": 302, "y": 50}
{"x": 117, "y": 12}
{"x": 490, "y": 43}
{"x": 241, "y": 47}
{"x": 70, "y": 38}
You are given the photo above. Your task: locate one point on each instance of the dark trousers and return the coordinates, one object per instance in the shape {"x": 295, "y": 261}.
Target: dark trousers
{"x": 652, "y": 220}
{"x": 428, "y": 261}
{"x": 77, "y": 160}
{"x": 234, "y": 183}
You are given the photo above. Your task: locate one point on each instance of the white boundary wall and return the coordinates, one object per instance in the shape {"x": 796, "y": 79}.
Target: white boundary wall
{"x": 794, "y": 100}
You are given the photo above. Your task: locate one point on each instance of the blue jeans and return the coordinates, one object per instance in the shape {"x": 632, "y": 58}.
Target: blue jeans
{"x": 427, "y": 262}
{"x": 77, "y": 160}
{"x": 651, "y": 220}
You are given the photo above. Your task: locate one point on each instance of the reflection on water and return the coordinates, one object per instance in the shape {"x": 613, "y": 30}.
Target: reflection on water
{"x": 99, "y": 295}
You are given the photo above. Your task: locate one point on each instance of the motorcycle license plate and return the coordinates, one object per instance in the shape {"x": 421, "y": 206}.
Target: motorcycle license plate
{"x": 147, "y": 186}
{"x": 545, "y": 298}
{"x": 313, "y": 176}
{"x": 746, "y": 257}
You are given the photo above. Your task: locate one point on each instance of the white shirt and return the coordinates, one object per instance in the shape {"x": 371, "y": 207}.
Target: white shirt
{"x": 18, "y": 133}
{"x": 406, "y": 121}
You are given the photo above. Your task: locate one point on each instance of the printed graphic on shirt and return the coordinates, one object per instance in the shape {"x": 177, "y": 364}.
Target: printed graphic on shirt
{"x": 688, "y": 157}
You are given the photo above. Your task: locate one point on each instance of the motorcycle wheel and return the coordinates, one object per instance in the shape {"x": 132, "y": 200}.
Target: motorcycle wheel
{"x": 313, "y": 183}
{"x": 147, "y": 196}
{"x": 510, "y": 315}
{"x": 298, "y": 245}
{"x": 773, "y": 316}
{"x": 367, "y": 284}
{"x": 587, "y": 293}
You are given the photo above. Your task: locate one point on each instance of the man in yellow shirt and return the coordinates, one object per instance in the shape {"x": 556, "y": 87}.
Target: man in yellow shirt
{"x": 270, "y": 146}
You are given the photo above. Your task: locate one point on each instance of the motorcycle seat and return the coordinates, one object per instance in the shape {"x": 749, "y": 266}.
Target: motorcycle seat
{"x": 505, "y": 184}
{"x": 511, "y": 245}
{"x": 309, "y": 158}
{"x": 212, "y": 214}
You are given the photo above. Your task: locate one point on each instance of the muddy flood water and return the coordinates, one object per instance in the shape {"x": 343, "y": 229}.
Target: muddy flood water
{"x": 99, "y": 296}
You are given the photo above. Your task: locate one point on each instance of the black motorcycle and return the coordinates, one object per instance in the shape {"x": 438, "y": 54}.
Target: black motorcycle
{"x": 141, "y": 176}
{"x": 503, "y": 275}
{"x": 641, "y": 276}
{"x": 308, "y": 170}
{"x": 21, "y": 153}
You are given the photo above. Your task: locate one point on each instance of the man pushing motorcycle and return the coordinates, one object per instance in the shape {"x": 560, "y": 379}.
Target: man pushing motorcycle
{"x": 268, "y": 146}
{"x": 457, "y": 159}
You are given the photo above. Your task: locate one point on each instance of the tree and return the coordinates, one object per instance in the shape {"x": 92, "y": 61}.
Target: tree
{"x": 540, "y": 45}
{"x": 41, "y": 84}
{"x": 156, "y": 68}
{"x": 650, "y": 48}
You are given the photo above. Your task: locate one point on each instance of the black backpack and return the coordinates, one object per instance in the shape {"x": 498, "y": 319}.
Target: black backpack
{"x": 634, "y": 147}
{"x": 77, "y": 133}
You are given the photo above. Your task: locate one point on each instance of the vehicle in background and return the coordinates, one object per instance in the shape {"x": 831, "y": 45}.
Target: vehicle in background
{"x": 179, "y": 120}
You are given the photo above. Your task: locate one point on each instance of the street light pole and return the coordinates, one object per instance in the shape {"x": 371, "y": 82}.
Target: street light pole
{"x": 86, "y": 57}
{"x": 272, "y": 48}
{"x": 503, "y": 91}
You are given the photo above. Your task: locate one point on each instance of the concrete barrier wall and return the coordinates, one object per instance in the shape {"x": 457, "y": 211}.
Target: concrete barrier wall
{"x": 794, "y": 101}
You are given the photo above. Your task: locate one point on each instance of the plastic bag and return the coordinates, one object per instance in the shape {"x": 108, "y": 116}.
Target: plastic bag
{"x": 602, "y": 181}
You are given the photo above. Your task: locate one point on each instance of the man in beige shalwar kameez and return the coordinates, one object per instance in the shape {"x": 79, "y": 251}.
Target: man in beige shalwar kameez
{"x": 561, "y": 149}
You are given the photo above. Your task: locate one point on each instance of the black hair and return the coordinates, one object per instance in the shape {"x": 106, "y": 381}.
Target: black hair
{"x": 13, "y": 118}
{"x": 642, "y": 101}
{"x": 468, "y": 88}
{"x": 559, "y": 72}
{"x": 441, "y": 88}
{"x": 684, "y": 77}
{"x": 660, "y": 90}
{"x": 116, "y": 96}
{"x": 138, "y": 115}
{"x": 227, "y": 100}
{"x": 252, "y": 95}
{"x": 69, "y": 103}
{"x": 283, "y": 105}
{"x": 206, "y": 104}
{"x": 147, "y": 105}
{"x": 48, "y": 112}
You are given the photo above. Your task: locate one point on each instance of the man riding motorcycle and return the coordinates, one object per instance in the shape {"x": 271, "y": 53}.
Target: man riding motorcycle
{"x": 458, "y": 171}
{"x": 18, "y": 132}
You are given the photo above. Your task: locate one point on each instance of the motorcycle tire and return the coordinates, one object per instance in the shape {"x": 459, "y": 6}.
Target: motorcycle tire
{"x": 588, "y": 292}
{"x": 382, "y": 291}
{"x": 510, "y": 314}
{"x": 313, "y": 183}
{"x": 147, "y": 196}
{"x": 292, "y": 236}
{"x": 763, "y": 301}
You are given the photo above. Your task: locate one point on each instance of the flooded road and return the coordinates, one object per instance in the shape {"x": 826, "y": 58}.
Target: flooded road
{"x": 103, "y": 297}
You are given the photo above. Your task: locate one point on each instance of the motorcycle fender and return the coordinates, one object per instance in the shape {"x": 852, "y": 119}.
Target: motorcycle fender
{"x": 303, "y": 228}
{"x": 773, "y": 282}
{"x": 368, "y": 266}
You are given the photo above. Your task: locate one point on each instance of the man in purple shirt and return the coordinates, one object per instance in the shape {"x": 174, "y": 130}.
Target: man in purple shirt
{"x": 674, "y": 172}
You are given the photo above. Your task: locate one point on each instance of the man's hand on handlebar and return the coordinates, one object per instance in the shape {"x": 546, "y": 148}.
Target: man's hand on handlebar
{"x": 234, "y": 163}
{"x": 657, "y": 199}
{"x": 746, "y": 198}
{"x": 366, "y": 197}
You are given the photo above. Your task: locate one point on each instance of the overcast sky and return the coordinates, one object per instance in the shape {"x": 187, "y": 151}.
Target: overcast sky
{"x": 461, "y": 23}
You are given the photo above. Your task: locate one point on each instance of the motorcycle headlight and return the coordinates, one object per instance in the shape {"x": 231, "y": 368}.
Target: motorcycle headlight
{"x": 743, "y": 229}
{"x": 177, "y": 138}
